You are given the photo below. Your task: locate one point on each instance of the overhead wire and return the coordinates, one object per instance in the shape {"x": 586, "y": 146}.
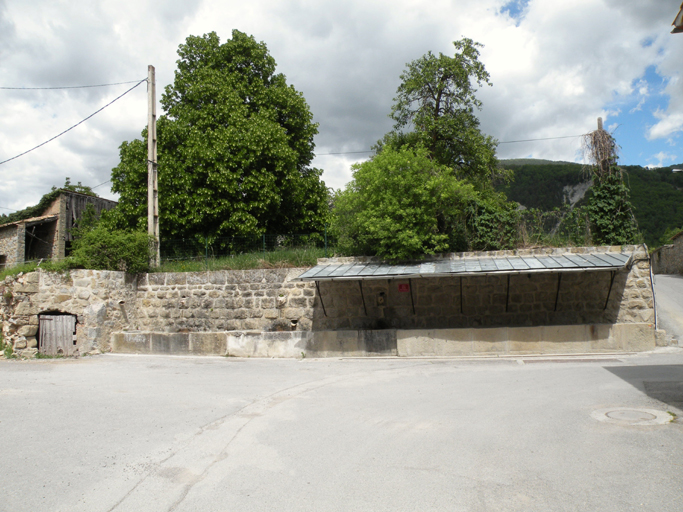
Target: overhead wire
{"x": 74, "y": 126}
{"x": 65, "y": 86}
{"x": 503, "y": 142}
{"x": 97, "y": 186}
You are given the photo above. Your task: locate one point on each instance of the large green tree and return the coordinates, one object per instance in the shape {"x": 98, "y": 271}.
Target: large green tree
{"x": 401, "y": 204}
{"x": 429, "y": 187}
{"x": 235, "y": 147}
{"x": 435, "y": 107}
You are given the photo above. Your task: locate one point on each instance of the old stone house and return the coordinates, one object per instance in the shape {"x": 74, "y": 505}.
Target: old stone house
{"x": 48, "y": 234}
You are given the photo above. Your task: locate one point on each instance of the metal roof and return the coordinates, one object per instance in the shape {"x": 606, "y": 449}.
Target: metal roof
{"x": 594, "y": 261}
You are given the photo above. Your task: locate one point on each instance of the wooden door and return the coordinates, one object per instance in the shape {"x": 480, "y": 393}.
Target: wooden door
{"x": 57, "y": 335}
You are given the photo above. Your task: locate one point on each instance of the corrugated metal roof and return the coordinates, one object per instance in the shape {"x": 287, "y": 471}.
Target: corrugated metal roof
{"x": 469, "y": 266}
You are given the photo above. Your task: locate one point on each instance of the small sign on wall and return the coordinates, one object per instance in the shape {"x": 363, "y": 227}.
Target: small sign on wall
{"x": 404, "y": 287}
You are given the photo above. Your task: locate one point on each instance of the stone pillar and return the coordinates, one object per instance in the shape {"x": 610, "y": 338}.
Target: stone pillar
{"x": 59, "y": 247}
{"x": 21, "y": 243}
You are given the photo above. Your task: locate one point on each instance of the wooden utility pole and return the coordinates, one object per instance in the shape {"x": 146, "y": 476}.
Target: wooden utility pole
{"x": 152, "y": 180}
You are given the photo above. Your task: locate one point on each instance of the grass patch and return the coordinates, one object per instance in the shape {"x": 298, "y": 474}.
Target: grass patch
{"x": 48, "y": 265}
{"x": 40, "y": 355}
{"x": 6, "y": 348}
{"x": 285, "y": 258}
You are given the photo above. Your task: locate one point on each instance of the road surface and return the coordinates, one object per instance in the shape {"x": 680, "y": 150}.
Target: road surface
{"x": 153, "y": 433}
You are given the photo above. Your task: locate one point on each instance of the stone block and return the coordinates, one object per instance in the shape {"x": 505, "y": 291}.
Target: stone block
{"x": 208, "y": 343}
{"x": 130, "y": 343}
{"x": 25, "y": 308}
{"x": 32, "y": 277}
{"x": 334, "y": 343}
{"x": 271, "y": 313}
{"x": 292, "y": 313}
{"x": 28, "y": 330}
{"x": 170, "y": 343}
{"x": 26, "y": 288}
{"x": 525, "y": 340}
{"x": 176, "y": 278}
{"x": 489, "y": 340}
{"x": 634, "y": 337}
{"x": 434, "y": 342}
{"x": 31, "y": 342}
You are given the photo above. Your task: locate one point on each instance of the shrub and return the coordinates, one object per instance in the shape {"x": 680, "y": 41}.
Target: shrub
{"x": 105, "y": 249}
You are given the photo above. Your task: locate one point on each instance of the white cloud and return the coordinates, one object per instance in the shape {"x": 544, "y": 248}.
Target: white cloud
{"x": 662, "y": 158}
{"x": 554, "y": 69}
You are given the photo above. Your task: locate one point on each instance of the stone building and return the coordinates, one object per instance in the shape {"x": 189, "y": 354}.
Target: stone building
{"x": 668, "y": 259}
{"x": 48, "y": 234}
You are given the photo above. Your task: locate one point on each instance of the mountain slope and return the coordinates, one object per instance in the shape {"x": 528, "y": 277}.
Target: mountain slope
{"x": 656, "y": 194}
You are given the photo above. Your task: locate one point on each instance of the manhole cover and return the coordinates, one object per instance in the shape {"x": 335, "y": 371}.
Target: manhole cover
{"x": 632, "y": 416}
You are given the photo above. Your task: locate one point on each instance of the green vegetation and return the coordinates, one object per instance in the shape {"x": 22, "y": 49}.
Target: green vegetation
{"x": 235, "y": 146}
{"x": 430, "y": 189}
{"x": 276, "y": 259}
{"x": 104, "y": 249}
{"x": 48, "y": 265}
{"x": 45, "y": 202}
{"x": 400, "y": 205}
{"x": 655, "y": 194}
{"x": 609, "y": 211}
{"x": 6, "y": 349}
{"x": 40, "y": 355}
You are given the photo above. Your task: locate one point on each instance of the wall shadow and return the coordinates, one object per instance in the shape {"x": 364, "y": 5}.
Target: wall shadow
{"x": 661, "y": 382}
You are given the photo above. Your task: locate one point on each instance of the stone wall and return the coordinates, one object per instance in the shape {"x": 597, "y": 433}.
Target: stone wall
{"x": 103, "y": 302}
{"x": 8, "y": 244}
{"x": 263, "y": 300}
{"x": 669, "y": 258}
{"x": 229, "y": 310}
{"x": 570, "y": 298}
{"x": 106, "y": 302}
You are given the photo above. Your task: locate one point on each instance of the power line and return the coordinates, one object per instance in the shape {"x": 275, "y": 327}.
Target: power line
{"x": 547, "y": 138}
{"x": 74, "y": 126}
{"x": 10, "y": 209}
{"x": 347, "y": 153}
{"x": 504, "y": 142}
{"x": 97, "y": 186}
{"x": 64, "y": 87}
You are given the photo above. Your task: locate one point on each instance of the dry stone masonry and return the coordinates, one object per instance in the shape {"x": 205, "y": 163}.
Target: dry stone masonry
{"x": 269, "y": 313}
{"x": 668, "y": 259}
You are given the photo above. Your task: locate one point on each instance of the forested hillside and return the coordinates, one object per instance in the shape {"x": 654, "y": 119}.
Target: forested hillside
{"x": 656, "y": 194}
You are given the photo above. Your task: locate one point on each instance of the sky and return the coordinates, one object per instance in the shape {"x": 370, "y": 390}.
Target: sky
{"x": 555, "y": 68}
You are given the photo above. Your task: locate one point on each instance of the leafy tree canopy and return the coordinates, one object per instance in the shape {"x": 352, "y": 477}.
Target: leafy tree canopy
{"x": 234, "y": 148}
{"x": 429, "y": 187}
{"x": 401, "y": 204}
{"x": 436, "y": 103}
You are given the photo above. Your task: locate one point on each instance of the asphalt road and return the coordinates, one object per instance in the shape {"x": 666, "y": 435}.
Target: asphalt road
{"x": 154, "y": 433}
{"x": 669, "y": 295}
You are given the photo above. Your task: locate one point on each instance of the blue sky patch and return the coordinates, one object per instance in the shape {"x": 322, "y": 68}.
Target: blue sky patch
{"x": 515, "y": 9}
{"x": 632, "y": 116}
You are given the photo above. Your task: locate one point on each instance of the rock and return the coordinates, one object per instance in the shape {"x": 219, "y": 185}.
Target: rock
{"x": 20, "y": 344}
{"x": 31, "y": 343}
{"x": 29, "y": 353}
{"x": 28, "y": 330}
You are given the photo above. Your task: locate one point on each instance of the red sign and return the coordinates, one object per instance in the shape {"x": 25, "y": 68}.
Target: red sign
{"x": 404, "y": 287}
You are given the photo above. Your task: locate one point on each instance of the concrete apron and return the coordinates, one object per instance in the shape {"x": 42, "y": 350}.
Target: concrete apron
{"x": 556, "y": 339}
